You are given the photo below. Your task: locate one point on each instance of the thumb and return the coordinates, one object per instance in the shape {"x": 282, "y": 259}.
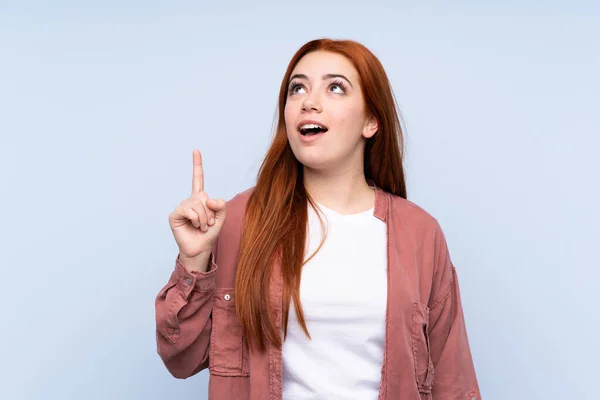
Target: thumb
{"x": 218, "y": 206}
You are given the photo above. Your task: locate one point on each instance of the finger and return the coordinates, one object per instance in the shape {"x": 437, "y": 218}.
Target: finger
{"x": 219, "y": 208}
{"x": 210, "y": 216}
{"x": 198, "y": 173}
{"x": 215, "y": 204}
{"x": 199, "y": 199}
{"x": 199, "y": 209}
{"x": 191, "y": 215}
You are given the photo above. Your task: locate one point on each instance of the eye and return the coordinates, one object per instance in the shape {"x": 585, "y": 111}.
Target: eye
{"x": 294, "y": 86}
{"x": 339, "y": 86}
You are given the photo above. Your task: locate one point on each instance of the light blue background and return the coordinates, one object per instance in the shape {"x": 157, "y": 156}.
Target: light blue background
{"x": 102, "y": 103}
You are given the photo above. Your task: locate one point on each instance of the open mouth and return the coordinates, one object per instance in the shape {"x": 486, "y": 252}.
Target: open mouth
{"x": 312, "y": 129}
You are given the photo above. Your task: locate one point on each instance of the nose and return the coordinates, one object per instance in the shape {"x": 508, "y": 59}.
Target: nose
{"x": 312, "y": 102}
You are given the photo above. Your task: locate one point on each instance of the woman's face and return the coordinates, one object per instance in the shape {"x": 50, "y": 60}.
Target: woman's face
{"x": 324, "y": 92}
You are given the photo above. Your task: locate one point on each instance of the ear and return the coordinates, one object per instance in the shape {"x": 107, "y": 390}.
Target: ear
{"x": 371, "y": 128}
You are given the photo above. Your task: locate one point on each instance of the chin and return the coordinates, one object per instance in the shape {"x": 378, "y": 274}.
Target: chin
{"x": 313, "y": 157}
{"x": 313, "y": 161}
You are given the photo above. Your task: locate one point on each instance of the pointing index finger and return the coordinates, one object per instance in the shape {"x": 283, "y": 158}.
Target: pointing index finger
{"x": 198, "y": 173}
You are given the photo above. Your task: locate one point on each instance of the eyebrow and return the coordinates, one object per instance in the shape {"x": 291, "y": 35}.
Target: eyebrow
{"x": 326, "y": 76}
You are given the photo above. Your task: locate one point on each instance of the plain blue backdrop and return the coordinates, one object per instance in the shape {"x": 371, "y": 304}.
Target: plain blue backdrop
{"x": 102, "y": 103}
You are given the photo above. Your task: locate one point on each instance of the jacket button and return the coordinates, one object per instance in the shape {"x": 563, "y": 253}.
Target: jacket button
{"x": 227, "y": 297}
{"x": 188, "y": 280}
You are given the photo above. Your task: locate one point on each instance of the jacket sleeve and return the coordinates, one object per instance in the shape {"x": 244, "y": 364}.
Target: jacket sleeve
{"x": 454, "y": 371}
{"x": 183, "y": 319}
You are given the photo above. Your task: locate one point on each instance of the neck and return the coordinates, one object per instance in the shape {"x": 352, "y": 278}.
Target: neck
{"x": 346, "y": 191}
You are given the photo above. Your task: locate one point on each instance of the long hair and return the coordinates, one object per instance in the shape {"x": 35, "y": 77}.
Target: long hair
{"x": 274, "y": 227}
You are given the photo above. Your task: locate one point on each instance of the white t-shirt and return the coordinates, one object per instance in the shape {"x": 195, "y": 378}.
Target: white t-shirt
{"x": 343, "y": 291}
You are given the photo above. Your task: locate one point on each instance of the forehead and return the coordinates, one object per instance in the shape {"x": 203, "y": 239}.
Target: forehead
{"x": 318, "y": 63}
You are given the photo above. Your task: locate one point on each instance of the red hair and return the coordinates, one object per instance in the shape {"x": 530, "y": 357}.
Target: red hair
{"x": 276, "y": 215}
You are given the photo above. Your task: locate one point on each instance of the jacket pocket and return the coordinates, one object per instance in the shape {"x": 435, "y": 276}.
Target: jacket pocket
{"x": 421, "y": 350}
{"x": 228, "y": 356}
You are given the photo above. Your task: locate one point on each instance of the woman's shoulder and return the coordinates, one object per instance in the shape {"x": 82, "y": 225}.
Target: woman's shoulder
{"x": 407, "y": 212}
{"x": 237, "y": 204}
{"x": 412, "y": 221}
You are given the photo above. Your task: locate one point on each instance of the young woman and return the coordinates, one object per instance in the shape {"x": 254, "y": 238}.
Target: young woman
{"x": 324, "y": 281}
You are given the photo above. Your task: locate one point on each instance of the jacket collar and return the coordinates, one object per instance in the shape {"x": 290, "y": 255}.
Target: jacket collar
{"x": 382, "y": 202}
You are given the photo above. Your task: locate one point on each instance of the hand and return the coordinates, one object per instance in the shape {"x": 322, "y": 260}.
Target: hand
{"x": 197, "y": 221}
